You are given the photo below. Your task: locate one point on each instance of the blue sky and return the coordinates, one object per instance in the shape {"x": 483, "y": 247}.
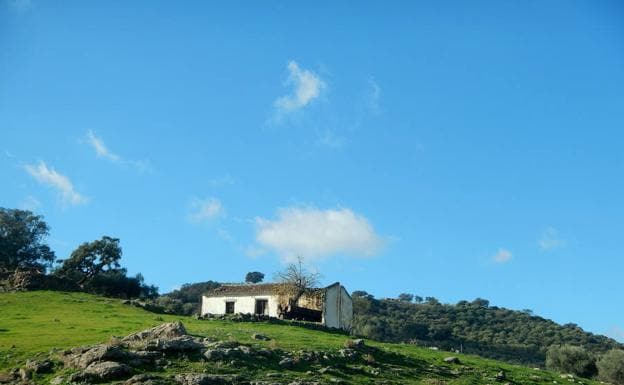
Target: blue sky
{"x": 447, "y": 149}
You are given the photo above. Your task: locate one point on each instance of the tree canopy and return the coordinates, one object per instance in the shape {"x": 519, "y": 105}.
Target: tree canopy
{"x": 22, "y": 245}
{"x": 254, "y": 277}
{"x": 92, "y": 258}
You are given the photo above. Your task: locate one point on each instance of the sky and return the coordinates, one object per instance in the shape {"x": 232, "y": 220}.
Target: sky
{"x": 443, "y": 148}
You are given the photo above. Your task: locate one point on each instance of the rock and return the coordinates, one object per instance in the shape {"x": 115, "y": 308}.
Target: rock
{"x": 451, "y": 360}
{"x": 261, "y": 337}
{"x": 222, "y": 344}
{"x": 146, "y": 379}
{"x": 175, "y": 344}
{"x": 166, "y": 331}
{"x": 205, "y": 379}
{"x": 102, "y": 371}
{"x": 57, "y": 381}
{"x": 143, "y": 358}
{"x": 348, "y": 353}
{"x": 44, "y": 366}
{"x": 80, "y": 358}
{"x": 287, "y": 362}
{"x": 25, "y": 374}
{"x": 354, "y": 344}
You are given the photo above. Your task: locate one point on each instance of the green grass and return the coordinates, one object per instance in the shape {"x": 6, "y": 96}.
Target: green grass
{"x": 33, "y": 323}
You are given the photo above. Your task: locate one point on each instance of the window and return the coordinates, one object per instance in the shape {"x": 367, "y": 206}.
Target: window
{"x": 262, "y": 306}
{"x": 229, "y": 307}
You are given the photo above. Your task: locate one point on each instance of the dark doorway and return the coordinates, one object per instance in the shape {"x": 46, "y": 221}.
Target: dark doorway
{"x": 229, "y": 307}
{"x": 262, "y": 306}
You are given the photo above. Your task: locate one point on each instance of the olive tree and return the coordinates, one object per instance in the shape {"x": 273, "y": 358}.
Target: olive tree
{"x": 611, "y": 366}
{"x": 571, "y": 359}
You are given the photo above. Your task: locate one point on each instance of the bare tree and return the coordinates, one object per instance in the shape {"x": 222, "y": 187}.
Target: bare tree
{"x": 297, "y": 275}
{"x": 297, "y": 279}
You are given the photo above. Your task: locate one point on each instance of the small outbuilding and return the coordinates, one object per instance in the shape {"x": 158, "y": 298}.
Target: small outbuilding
{"x": 330, "y": 306}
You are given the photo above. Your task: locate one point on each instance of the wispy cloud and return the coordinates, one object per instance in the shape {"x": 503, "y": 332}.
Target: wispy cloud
{"x": 502, "y": 256}
{"x": 316, "y": 233}
{"x": 202, "y": 210}
{"x": 307, "y": 86}
{"x": 102, "y": 151}
{"x": 550, "y": 240}
{"x": 30, "y": 203}
{"x": 617, "y": 333}
{"x": 100, "y": 148}
{"x": 50, "y": 177}
{"x": 372, "y": 96}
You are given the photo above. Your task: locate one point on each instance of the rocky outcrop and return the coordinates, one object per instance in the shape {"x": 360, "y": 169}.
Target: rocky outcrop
{"x": 132, "y": 358}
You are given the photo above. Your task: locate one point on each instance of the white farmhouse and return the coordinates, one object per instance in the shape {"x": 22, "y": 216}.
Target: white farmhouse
{"x": 331, "y": 306}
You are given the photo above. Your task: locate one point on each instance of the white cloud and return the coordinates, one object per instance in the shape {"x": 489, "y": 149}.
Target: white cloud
{"x": 49, "y": 177}
{"x": 205, "y": 209}
{"x": 503, "y": 256}
{"x": 307, "y": 87}
{"x": 616, "y": 333}
{"x": 30, "y": 203}
{"x": 100, "y": 148}
{"x": 373, "y": 96}
{"x": 550, "y": 240}
{"x": 315, "y": 233}
{"x": 102, "y": 151}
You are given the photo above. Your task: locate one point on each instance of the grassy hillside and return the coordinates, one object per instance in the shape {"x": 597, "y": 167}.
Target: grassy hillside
{"x": 36, "y": 322}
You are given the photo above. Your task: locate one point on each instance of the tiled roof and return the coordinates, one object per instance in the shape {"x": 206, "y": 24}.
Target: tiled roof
{"x": 246, "y": 289}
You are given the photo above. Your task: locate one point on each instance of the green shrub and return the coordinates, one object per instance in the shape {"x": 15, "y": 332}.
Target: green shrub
{"x": 571, "y": 359}
{"x": 611, "y": 366}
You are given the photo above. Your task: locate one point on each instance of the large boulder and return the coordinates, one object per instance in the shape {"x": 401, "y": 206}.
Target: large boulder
{"x": 166, "y": 330}
{"x": 102, "y": 371}
{"x": 170, "y": 336}
{"x": 80, "y": 358}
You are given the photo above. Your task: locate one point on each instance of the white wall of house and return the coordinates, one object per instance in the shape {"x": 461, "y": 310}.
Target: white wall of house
{"x": 246, "y": 304}
{"x": 338, "y": 308}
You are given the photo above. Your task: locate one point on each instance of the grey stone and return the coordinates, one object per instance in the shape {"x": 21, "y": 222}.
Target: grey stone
{"x": 165, "y": 331}
{"x": 25, "y": 374}
{"x": 451, "y": 360}
{"x": 348, "y": 353}
{"x": 287, "y": 362}
{"x": 80, "y": 358}
{"x": 205, "y": 379}
{"x": 44, "y": 366}
{"x": 174, "y": 344}
{"x": 146, "y": 379}
{"x": 102, "y": 371}
{"x": 261, "y": 337}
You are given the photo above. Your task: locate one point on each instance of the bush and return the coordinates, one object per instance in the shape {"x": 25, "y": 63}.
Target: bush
{"x": 571, "y": 359}
{"x": 611, "y": 366}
